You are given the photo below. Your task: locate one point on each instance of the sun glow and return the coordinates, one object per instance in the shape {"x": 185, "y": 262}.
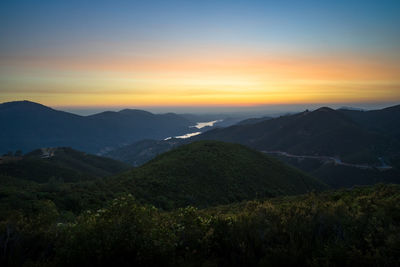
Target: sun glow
{"x": 203, "y": 81}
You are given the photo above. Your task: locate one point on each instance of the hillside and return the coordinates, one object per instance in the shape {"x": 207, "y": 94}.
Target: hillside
{"x": 339, "y": 176}
{"x": 385, "y": 121}
{"x": 325, "y": 132}
{"x": 26, "y": 126}
{"x": 253, "y": 120}
{"x": 59, "y": 164}
{"x": 208, "y": 173}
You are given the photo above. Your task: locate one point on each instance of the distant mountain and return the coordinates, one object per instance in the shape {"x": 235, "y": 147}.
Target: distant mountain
{"x": 253, "y": 120}
{"x": 223, "y": 120}
{"x": 59, "y": 164}
{"x": 354, "y": 136}
{"x": 339, "y": 176}
{"x": 359, "y": 137}
{"x": 385, "y": 121}
{"x": 324, "y": 132}
{"x": 209, "y": 173}
{"x": 26, "y": 125}
{"x": 351, "y": 108}
{"x": 140, "y": 152}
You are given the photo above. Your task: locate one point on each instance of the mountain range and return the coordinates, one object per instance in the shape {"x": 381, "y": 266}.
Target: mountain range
{"x": 353, "y": 136}
{"x": 357, "y": 138}
{"x": 27, "y": 126}
{"x": 323, "y": 132}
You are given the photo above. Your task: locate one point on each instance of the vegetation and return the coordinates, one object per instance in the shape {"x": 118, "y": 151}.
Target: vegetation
{"x": 357, "y": 227}
{"x": 207, "y": 173}
{"x": 60, "y": 164}
{"x": 168, "y": 212}
{"x": 200, "y": 174}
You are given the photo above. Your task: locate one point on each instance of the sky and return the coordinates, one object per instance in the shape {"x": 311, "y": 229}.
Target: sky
{"x": 93, "y": 54}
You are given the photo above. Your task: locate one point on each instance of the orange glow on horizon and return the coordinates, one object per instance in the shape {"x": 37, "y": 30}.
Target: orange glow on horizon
{"x": 206, "y": 80}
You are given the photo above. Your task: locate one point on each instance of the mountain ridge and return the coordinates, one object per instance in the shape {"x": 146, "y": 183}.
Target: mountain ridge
{"x": 28, "y": 125}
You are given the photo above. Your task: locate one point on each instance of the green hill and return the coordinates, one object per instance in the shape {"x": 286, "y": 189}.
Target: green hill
{"x": 208, "y": 173}
{"x": 65, "y": 164}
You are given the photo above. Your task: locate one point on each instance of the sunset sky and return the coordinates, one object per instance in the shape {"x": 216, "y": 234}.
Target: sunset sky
{"x": 199, "y": 53}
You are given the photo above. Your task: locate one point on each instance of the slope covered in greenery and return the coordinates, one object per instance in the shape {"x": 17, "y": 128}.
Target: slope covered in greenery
{"x": 208, "y": 173}
{"x": 112, "y": 221}
{"x": 200, "y": 174}
{"x": 65, "y": 164}
{"x": 357, "y": 227}
{"x": 70, "y": 179}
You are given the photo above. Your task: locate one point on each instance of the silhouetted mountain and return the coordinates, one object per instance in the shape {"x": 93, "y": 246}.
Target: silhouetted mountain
{"x": 26, "y": 125}
{"x": 208, "y": 173}
{"x": 321, "y": 132}
{"x": 253, "y": 120}
{"x": 385, "y": 121}
{"x": 60, "y": 164}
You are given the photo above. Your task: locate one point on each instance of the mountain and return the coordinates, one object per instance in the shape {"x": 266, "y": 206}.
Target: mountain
{"x": 26, "y": 126}
{"x": 253, "y": 120}
{"x": 350, "y": 136}
{"x": 356, "y": 137}
{"x": 385, "y": 121}
{"x": 209, "y": 173}
{"x": 324, "y": 132}
{"x": 59, "y": 164}
{"x": 339, "y": 176}
{"x": 141, "y": 152}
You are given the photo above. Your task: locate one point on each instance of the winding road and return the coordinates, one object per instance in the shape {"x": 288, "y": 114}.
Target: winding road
{"x": 335, "y": 160}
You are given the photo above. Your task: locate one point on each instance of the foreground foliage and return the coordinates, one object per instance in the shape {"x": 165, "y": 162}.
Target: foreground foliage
{"x": 355, "y": 227}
